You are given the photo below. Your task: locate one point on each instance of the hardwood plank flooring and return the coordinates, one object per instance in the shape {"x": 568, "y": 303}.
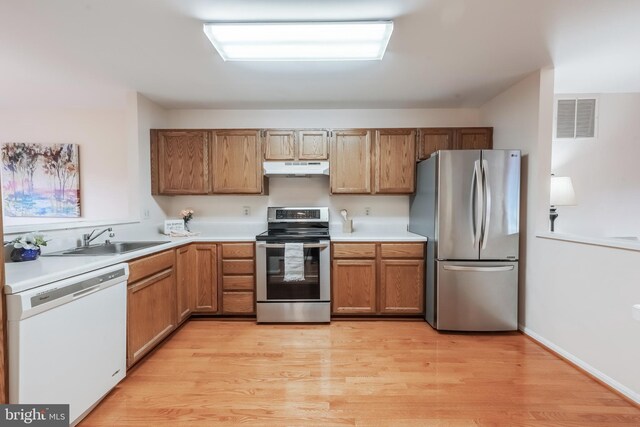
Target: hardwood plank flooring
{"x": 358, "y": 373}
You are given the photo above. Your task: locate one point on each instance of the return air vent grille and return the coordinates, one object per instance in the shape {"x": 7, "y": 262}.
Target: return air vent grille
{"x": 576, "y": 118}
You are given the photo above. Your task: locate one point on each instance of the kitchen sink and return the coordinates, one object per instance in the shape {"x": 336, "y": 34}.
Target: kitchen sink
{"x": 114, "y": 248}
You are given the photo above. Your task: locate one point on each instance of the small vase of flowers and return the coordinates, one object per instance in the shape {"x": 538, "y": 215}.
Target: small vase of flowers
{"x": 27, "y": 247}
{"x": 187, "y": 215}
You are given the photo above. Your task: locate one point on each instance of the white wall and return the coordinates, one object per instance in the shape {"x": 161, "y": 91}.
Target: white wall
{"x": 309, "y": 191}
{"x": 149, "y": 115}
{"x": 102, "y": 136}
{"x": 575, "y": 298}
{"x": 605, "y": 172}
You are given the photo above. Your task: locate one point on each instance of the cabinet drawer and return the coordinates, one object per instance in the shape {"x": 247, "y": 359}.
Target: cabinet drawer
{"x": 237, "y": 303}
{"x": 402, "y": 250}
{"x": 237, "y": 266}
{"x": 354, "y": 250}
{"x": 237, "y": 250}
{"x": 144, "y": 267}
{"x": 238, "y": 283}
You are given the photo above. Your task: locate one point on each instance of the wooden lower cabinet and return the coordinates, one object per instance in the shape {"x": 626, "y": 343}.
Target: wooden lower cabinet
{"x": 151, "y": 306}
{"x": 354, "y": 286}
{"x": 238, "y": 278}
{"x": 204, "y": 284}
{"x": 376, "y": 278}
{"x": 185, "y": 276}
{"x": 402, "y": 286}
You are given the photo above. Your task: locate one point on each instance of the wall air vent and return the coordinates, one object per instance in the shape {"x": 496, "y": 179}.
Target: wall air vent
{"x": 575, "y": 118}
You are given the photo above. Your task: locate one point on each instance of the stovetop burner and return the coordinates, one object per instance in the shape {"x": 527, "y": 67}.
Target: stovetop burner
{"x": 296, "y": 225}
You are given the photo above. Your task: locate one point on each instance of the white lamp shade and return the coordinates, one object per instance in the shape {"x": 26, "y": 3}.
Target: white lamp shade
{"x": 562, "y": 193}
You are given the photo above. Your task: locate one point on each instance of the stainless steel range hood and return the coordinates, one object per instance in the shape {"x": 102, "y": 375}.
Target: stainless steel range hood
{"x": 296, "y": 168}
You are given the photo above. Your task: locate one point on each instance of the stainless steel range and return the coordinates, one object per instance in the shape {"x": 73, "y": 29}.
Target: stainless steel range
{"x": 307, "y": 298}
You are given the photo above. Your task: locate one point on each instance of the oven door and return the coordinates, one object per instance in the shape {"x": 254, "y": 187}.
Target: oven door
{"x": 270, "y": 286}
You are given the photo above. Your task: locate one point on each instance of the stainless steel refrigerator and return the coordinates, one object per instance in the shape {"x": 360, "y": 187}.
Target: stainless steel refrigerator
{"x": 467, "y": 203}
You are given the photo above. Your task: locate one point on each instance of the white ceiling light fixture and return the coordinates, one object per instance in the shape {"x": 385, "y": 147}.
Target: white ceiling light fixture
{"x": 300, "y": 41}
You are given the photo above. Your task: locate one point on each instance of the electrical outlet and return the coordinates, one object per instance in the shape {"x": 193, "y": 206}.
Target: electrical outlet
{"x": 246, "y": 210}
{"x": 367, "y": 211}
{"x": 146, "y": 214}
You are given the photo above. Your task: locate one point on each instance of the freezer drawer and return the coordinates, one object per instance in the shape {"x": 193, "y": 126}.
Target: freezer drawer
{"x": 477, "y": 296}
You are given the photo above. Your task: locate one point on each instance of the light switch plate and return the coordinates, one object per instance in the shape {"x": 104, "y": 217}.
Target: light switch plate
{"x": 636, "y": 312}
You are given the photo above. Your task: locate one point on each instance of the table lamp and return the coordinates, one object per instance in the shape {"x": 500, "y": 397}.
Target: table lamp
{"x": 562, "y": 194}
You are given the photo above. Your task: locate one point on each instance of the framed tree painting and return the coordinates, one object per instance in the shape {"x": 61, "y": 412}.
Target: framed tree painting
{"x": 41, "y": 180}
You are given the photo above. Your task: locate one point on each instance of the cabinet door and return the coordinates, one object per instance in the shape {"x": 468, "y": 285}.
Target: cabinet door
{"x": 402, "y": 286}
{"x": 351, "y": 162}
{"x": 151, "y": 313}
{"x": 354, "y": 286}
{"x": 182, "y": 162}
{"x": 473, "y": 138}
{"x": 185, "y": 276}
{"x": 312, "y": 145}
{"x": 279, "y": 145}
{"x": 431, "y": 140}
{"x": 395, "y": 161}
{"x": 205, "y": 285}
{"x": 236, "y": 161}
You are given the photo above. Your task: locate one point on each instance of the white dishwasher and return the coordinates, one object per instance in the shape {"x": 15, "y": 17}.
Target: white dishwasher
{"x": 67, "y": 340}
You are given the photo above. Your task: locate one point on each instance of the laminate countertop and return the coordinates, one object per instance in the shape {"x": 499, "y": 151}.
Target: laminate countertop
{"x": 21, "y": 276}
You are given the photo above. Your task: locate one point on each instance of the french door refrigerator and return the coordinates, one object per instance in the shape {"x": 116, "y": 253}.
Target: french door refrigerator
{"x": 467, "y": 203}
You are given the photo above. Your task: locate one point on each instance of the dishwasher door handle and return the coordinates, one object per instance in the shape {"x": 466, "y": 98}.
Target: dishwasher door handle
{"x": 87, "y": 291}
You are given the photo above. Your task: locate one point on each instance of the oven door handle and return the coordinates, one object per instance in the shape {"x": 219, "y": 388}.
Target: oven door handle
{"x": 281, "y": 245}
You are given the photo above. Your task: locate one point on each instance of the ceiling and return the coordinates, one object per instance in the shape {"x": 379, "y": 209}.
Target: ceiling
{"x": 442, "y": 53}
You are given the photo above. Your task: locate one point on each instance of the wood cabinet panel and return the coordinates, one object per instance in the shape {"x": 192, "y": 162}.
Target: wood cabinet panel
{"x": 151, "y": 313}
{"x": 237, "y": 266}
{"x": 473, "y": 138}
{"x": 185, "y": 276}
{"x": 279, "y": 144}
{"x": 402, "y": 286}
{"x": 402, "y": 250}
{"x": 354, "y": 250}
{"x": 238, "y": 283}
{"x": 350, "y": 166}
{"x": 236, "y": 161}
{"x": 205, "y": 285}
{"x": 395, "y": 161}
{"x": 431, "y": 140}
{"x": 238, "y": 303}
{"x": 182, "y": 161}
{"x": 353, "y": 286}
{"x": 312, "y": 145}
{"x": 143, "y": 267}
{"x": 238, "y": 250}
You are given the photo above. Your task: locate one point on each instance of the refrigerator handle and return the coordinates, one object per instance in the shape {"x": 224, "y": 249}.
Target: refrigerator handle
{"x": 486, "y": 215}
{"x": 477, "y": 204}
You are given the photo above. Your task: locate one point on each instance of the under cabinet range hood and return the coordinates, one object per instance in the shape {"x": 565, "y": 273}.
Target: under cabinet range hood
{"x": 296, "y": 168}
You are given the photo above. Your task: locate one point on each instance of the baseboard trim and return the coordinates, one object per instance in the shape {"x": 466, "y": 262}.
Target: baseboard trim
{"x": 581, "y": 364}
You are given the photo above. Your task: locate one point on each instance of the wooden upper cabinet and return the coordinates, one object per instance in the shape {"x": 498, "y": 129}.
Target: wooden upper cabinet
{"x": 395, "y": 164}
{"x": 236, "y": 161}
{"x": 180, "y": 162}
{"x": 473, "y": 138}
{"x": 312, "y": 145}
{"x": 431, "y": 140}
{"x": 350, "y": 166}
{"x": 279, "y": 144}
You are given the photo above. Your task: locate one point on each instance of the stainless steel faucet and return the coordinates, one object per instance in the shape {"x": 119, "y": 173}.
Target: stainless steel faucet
{"x": 89, "y": 237}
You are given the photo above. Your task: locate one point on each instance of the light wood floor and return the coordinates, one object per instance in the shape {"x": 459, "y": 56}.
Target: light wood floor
{"x": 365, "y": 373}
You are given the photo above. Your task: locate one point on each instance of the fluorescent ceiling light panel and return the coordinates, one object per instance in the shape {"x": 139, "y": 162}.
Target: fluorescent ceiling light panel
{"x": 300, "y": 41}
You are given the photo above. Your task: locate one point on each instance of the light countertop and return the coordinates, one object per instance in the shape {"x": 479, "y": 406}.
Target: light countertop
{"x": 21, "y": 276}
